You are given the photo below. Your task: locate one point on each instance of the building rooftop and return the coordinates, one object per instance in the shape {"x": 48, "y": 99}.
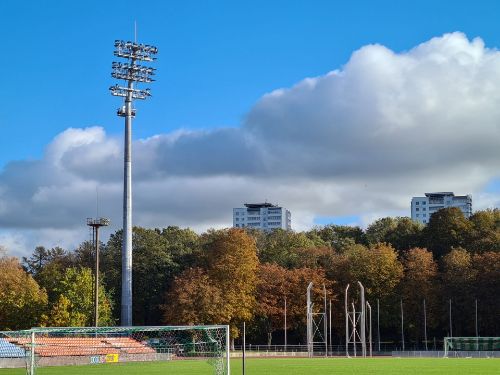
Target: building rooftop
{"x": 440, "y": 194}
{"x": 259, "y": 205}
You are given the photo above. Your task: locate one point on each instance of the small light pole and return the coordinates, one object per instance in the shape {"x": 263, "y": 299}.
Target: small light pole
{"x": 402, "y": 326}
{"x": 330, "y": 327}
{"x": 477, "y": 330}
{"x": 95, "y": 224}
{"x": 451, "y": 325}
{"x": 285, "y": 328}
{"x": 425, "y": 326}
{"x": 378, "y": 324}
{"x": 131, "y": 73}
{"x": 243, "y": 353}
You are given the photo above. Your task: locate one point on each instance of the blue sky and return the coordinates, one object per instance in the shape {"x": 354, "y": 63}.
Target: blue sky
{"x": 218, "y": 130}
{"x": 216, "y": 58}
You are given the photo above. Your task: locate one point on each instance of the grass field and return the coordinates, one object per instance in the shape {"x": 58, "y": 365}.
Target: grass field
{"x": 289, "y": 366}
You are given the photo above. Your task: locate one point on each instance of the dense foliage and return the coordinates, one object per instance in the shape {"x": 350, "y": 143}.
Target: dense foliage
{"x": 232, "y": 275}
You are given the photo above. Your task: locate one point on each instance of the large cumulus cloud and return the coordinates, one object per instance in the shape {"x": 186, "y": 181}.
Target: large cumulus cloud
{"x": 360, "y": 140}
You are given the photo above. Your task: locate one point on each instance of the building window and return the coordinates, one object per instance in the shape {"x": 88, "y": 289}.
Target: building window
{"x": 417, "y": 203}
{"x": 417, "y": 209}
{"x": 237, "y": 219}
{"x": 425, "y": 221}
{"x": 237, "y": 213}
{"x": 424, "y": 203}
{"x": 418, "y": 215}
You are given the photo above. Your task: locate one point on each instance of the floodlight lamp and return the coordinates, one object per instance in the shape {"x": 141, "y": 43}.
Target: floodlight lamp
{"x": 104, "y": 221}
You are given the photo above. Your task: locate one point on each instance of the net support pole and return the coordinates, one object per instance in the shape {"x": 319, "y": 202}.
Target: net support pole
{"x": 330, "y": 327}
{"x": 451, "y": 325}
{"x": 310, "y": 347}
{"x": 402, "y": 326}
{"x": 425, "y": 326}
{"x": 369, "y": 309}
{"x": 477, "y": 330}
{"x": 32, "y": 354}
{"x": 363, "y": 319}
{"x": 228, "y": 357}
{"x": 346, "y": 322}
{"x": 244, "y": 343}
{"x": 325, "y": 323}
{"x": 285, "y": 328}
{"x": 378, "y": 324}
{"x": 354, "y": 329}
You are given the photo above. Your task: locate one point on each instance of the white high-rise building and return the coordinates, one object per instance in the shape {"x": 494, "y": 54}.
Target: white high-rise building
{"x": 264, "y": 216}
{"x": 423, "y": 207}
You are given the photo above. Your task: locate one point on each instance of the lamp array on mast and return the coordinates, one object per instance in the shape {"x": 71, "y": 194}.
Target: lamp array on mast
{"x": 132, "y": 72}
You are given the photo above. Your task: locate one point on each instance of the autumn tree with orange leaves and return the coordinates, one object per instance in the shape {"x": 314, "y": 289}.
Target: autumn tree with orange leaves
{"x": 223, "y": 292}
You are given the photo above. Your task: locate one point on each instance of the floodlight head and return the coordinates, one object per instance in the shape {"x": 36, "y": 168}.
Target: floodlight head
{"x": 99, "y": 222}
{"x": 135, "y": 51}
{"x": 135, "y": 93}
{"x": 132, "y": 72}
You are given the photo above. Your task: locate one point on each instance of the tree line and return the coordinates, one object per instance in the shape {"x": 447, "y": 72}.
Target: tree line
{"x": 231, "y": 276}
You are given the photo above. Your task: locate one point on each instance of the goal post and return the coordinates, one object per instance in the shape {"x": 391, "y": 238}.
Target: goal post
{"x": 100, "y": 345}
{"x": 13, "y": 355}
{"x": 471, "y": 344}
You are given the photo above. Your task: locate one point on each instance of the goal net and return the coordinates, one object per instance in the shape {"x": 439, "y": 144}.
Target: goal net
{"x": 458, "y": 345}
{"x": 41, "y": 347}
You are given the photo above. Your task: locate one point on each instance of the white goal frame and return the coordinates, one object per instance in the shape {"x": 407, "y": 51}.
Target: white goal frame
{"x": 55, "y": 346}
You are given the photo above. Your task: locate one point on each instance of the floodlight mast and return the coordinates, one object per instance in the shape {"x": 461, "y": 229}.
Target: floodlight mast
{"x": 95, "y": 224}
{"x": 130, "y": 72}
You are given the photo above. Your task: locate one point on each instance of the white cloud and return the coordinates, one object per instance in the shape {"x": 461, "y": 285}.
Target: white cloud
{"x": 360, "y": 140}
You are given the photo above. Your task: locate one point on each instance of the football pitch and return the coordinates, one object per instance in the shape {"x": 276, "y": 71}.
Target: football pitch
{"x": 288, "y": 366}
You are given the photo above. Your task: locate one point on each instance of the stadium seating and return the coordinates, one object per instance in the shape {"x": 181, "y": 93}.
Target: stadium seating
{"x": 10, "y": 350}
{"x": 81, "y": 346}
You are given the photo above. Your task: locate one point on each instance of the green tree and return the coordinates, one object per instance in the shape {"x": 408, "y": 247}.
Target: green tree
{"x": 447, "y": 228}
{"x": 22, "y": 301}
{"x": 484, "y": 235}
{"x": 47, "y": 267}
{"x": 378, "y": 230}
{"x": 63, "y": 314}
{"x": 158, "y": 256}
{"x": 402, "y": 233}
{"x": 84, "y": 255}
{"x": 75, "y": 292}
{"x": 41, "y": 257}
{"x": 278, "y": 247}
{"x": 407, "y": 234}
{"x": 182, "y": 244}
{"x": 340, "y": 237}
